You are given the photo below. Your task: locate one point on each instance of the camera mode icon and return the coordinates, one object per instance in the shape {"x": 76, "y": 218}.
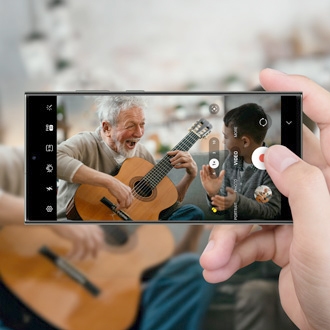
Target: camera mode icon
{"x": 49, "y": 128}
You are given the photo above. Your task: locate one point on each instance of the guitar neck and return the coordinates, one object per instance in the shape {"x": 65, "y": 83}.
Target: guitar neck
{"x": 161, "y": 169}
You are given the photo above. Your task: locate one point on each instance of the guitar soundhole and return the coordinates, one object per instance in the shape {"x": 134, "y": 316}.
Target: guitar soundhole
{"x": 142, "y": 190}
{"x": 115, "y": 235}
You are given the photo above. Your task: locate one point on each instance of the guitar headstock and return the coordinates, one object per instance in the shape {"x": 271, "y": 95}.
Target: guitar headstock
{"x": 201, "y": 128}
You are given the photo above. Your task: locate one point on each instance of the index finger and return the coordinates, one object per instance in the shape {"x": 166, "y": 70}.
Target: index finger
{"x": 316, "y": 98}
{"x": 222, "y": 241}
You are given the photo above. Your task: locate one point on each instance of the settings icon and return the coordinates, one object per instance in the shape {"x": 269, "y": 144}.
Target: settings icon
{"x": 49, "y": 168}
{"x": 49, "y": 208}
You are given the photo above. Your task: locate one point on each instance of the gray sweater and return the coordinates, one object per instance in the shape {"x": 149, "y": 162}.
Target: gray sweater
{"x": 89, "y": 149}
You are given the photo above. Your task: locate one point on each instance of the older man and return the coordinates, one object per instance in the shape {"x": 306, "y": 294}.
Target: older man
{"x": 95, "y": 157}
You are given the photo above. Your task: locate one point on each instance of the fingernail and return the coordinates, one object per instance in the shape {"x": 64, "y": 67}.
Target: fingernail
{"x": 209, "y": 246}
{"x": 277, "y": 71}
{"x": 280, "y": 158}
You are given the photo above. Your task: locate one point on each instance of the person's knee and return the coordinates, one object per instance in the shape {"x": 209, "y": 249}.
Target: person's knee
{"x": 195, "y": 211}
{"x": 187, "y": 212}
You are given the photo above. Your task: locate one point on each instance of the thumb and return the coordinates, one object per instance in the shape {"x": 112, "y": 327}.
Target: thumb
{"x": 230, "y": 190}
{"x": 303, "y": 184}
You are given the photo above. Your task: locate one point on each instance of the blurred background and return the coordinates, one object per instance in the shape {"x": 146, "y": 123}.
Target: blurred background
{"x": 153, "y": 45}
{"x": 173, "y": 45}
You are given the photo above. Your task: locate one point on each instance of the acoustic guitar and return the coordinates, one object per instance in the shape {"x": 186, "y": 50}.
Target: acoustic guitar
{"x": 99, "y": 294}
{"x": 152, "y": 190}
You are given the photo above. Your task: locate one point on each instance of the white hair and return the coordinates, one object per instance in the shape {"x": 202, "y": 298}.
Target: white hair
{"x": 110, "y": 106}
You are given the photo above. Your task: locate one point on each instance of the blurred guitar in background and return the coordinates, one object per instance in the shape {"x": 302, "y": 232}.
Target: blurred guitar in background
{"x": 100, "y": 294}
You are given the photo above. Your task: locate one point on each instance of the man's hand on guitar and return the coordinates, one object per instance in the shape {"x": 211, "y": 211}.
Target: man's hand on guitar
{"x": 183, "y": 159}
{"x": 119, "y": 190}
{"x": 122, "y": 192}
{"x": 86, "y": 240}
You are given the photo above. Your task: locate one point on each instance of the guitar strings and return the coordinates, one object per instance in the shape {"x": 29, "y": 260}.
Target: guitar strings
{"x": 164, "y": 166}
{"x": 151, "y": 179}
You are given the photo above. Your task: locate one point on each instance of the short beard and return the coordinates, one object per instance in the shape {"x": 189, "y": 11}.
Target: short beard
{"x": 123, "y": 152}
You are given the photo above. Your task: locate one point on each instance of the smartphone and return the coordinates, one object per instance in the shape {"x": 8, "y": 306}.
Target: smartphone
{"x": 219, "y": 137}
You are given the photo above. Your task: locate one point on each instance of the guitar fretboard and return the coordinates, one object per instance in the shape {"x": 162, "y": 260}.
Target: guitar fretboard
{"x": 160, "y": 170}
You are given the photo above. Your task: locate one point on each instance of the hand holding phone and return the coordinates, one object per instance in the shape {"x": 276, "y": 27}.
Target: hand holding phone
{"x": 301, "y": 249}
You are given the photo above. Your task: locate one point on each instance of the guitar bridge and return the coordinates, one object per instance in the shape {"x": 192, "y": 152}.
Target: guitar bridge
{"x": 113, "y": 207}
{"x": 70, "y": 270}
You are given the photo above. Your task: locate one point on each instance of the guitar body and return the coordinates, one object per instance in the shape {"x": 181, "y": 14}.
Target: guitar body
{"x": 152, "y": 190}
{"x": 146, "y": 205}
{"x": 63, "y": 302}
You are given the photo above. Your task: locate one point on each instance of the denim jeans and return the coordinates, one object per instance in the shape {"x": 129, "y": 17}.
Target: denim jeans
{"x": 177, "y": 297}
{"x": 187, "y": 212}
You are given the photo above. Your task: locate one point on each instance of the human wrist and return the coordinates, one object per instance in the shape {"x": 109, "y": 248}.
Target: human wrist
{"x": 210, "y": 196}
{"x": 108, "y": 181}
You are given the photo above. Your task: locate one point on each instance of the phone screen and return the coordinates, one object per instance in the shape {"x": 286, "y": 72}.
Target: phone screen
{"x": 216, "y": 140}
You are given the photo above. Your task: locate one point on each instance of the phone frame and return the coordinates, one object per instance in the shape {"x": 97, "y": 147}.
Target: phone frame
{"x": 39, "y": 111}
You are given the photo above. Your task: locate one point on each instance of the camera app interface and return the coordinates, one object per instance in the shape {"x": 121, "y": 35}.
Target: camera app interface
{"x": 241, "y": 188}
{"x": 150, "y": 157}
